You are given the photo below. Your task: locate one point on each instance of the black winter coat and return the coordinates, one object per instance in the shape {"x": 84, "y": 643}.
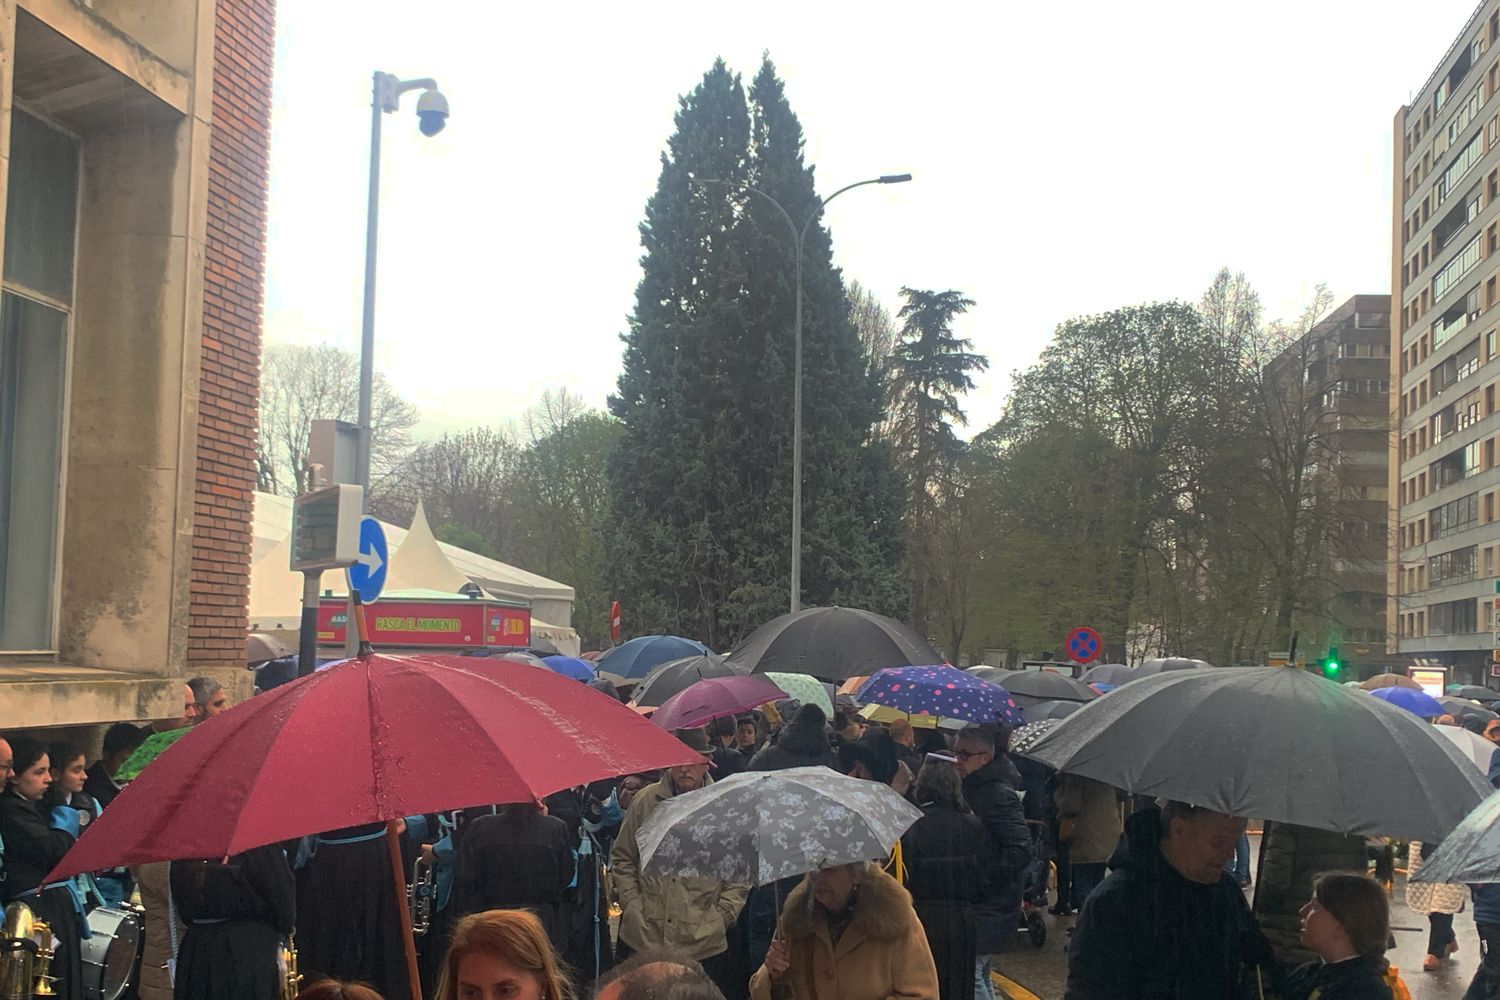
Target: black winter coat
{"x": 1359, "y": 978}
{"x": 516, "y": 862}
{"x": 948, "y": 865}
{"x": 1147, "y": 933}
{"x": 32, "y": 849}
{"x": 991, "y": 793}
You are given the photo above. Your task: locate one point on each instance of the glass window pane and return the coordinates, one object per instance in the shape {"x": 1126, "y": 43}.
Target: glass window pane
{"x": 33, "y": 348}
{"x": 41, "y": 208}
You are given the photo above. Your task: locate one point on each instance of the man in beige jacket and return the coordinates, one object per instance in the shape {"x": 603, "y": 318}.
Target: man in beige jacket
{"x": 686, "y": 917}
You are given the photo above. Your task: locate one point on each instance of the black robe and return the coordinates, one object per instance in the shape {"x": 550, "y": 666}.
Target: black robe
{"x": 948, "y": 864}
{"x": 233, "y": 917}
{"x": 511, "y": 862}
{"x": 32, "y": 849}
{"x": 348, "y": 924}
{"x": 1360, "y": 978}
{"x": 588, "y": 949}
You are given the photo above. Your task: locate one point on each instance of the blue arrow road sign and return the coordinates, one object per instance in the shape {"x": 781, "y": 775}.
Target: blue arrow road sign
{"x": 367, "y": 576}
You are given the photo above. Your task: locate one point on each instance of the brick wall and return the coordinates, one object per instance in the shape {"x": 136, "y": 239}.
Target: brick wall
{"x": 234, "y": 279}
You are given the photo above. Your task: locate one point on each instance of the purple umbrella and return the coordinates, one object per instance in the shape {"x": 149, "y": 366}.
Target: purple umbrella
{"x": 714, "y": 698}
{"x": 1417, "y": 702}
{"x": 944, "y": 691}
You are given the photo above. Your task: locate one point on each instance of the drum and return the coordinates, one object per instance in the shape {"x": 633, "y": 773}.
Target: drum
{"x": 112, "y": 955}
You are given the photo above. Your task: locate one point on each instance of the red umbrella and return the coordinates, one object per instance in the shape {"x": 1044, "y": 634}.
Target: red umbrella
{"x": 371, "y": 739}
{"x": 714, "y": 698}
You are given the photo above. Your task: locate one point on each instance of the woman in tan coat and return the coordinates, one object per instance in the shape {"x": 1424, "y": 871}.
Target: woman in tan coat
{"x": 848, "y": 933}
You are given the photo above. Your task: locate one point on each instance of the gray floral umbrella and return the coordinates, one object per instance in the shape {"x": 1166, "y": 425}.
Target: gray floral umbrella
{"x": 760, "y": 827}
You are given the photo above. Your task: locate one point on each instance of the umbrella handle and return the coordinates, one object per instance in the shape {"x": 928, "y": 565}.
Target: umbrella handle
{"x": 398, "y": 883}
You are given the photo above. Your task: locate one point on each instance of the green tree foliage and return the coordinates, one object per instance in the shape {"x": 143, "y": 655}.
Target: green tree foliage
{"x": 701, "y": 478}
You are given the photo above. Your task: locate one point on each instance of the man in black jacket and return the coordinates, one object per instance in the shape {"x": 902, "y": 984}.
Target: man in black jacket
{"x": 990, "y": 782}
{"x": 1168, "y": 923}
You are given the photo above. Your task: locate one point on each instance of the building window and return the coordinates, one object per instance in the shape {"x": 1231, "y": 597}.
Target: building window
{"x": 1453, "y": 618}
{"x": 1466, "y": 260}
{"x": 1455, "y": 515}
{"x": 1457, "y": 566}
{"x": 1460, "y": 167}
{"x": 35, "y": 318}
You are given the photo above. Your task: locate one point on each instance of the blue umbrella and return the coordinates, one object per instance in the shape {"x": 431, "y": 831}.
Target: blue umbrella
{"x": 571, "y": 666}
{"x": 633, "y": 660}
{"x": 1417, "y": 702}
{"x": 943, "y": 691}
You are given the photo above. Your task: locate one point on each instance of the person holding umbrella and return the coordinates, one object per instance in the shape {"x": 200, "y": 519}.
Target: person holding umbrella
{"x": 688, "y": 915}
{"x": 989, "y": 786}
{"x": 849, "y": 932}
{"x": 802, "y": 742}
{"x": 1168, "y": 923}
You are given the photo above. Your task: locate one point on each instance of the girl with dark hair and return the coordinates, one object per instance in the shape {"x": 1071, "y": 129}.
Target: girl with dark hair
{"x": 519, "y": 858}
{"x": 36, "y": 839}
{"x": 1347, "y": 922}
{"x": 947, "y": 857}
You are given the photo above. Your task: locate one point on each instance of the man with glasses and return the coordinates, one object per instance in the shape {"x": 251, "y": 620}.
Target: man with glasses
{"x": 990, "y": 782}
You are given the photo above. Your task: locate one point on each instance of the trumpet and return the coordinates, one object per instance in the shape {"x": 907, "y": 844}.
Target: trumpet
{"x": 25, "y": 955}
{"x": 291, "y": 979}
{"x": 419, "y": 895}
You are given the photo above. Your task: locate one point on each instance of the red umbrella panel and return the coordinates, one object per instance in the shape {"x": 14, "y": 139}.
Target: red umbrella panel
{"x": 367, "y": 740}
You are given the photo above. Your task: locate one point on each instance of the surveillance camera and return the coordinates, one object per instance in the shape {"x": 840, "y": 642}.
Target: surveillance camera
{"x": 432, "y": 112}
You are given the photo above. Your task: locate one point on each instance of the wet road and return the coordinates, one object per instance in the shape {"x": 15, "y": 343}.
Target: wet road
{"x": 1041, "y": 972}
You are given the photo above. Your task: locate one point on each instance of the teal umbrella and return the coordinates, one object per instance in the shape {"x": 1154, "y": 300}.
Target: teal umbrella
{"x": 805, "y": 688}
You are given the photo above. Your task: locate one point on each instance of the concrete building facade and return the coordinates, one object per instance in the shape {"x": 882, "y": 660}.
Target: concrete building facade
{"x": 135, "y": 136}
{"x": 1444, "y": 485}
{"x": 1344, "y": 363}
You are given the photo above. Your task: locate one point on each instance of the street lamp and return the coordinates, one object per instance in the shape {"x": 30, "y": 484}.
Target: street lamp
{"x": 432, "y": 115}
{"x": 798, "y": 235}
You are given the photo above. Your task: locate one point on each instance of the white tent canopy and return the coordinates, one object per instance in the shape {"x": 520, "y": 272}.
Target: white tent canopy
{"x": 418, "y": 562}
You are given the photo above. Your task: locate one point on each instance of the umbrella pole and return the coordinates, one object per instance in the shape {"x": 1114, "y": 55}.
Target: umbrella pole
{"x": 398, "y": 883}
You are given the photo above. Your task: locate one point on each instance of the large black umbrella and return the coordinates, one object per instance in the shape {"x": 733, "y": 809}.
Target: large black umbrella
{"x": 833, "y": 644}
{"x": 1031, "y": 687}
{"x": 1459, "y": 707}
{"x": 1471, "y": 853}
{"x": 1476, "y": 693}
{"x": 1274, "y": 743}
{"x": 675, "y": 676}
{"x": 1151, "y": 668}
{"x": 1108, "y": 673}
{"x": 1044, "y": 710}
{"x": 994, "y": 675}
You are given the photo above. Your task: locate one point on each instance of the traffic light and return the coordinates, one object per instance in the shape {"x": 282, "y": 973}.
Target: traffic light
{"x": 1332, "y": 665}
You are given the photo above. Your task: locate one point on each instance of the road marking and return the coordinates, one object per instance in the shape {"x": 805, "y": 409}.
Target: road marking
{"x": 1013, "y": 990}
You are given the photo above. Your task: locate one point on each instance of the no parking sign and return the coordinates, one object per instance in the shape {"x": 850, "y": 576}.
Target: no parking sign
{"x": 1084, "y": 645}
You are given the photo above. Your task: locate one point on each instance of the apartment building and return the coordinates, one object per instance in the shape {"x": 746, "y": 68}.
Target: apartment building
{"x": 1344, "y": 364}
{"x": 1445, "y": 269}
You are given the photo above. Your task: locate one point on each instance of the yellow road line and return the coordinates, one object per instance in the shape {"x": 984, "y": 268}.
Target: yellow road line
{"x": 1013, "y": 990}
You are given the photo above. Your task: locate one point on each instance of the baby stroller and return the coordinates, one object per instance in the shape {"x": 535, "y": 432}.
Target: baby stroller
{"x": 1034, "y": 890}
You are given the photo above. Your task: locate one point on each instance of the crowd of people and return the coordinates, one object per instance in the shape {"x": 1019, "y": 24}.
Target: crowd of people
{"x": 550, "y": 899}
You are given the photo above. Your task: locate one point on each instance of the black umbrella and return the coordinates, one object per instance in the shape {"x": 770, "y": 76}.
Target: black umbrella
{"x": 994, "y": 675}
{"x": 1043, "y": 710}
{"x": 833, "y": 644}
{"x": 1460, "y": 707}
{"x": 1476, "y": 693}
{"x": 1108, "y": 673}
{"x": 1030, "y": 687}
{"x": 1153, "y": 667}
{"x": 667, "y": 679}
{"x": 1274, "y": 743}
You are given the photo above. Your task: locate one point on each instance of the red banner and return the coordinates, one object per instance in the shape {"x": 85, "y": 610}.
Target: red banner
{"x": 614, "y": 621}
{"x": 436, "y": 624}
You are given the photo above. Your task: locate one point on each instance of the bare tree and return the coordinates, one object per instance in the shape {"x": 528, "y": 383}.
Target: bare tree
{"x": 303, "y": 384}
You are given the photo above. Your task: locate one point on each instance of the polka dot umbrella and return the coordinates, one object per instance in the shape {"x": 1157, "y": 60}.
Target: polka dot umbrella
{"x": 943, "y": 691}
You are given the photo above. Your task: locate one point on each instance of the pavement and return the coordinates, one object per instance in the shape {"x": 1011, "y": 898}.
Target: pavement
{"x": 1027, "y": 973}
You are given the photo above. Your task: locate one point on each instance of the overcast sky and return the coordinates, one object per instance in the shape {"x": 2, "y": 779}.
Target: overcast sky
{"x": 1069, "y": 159}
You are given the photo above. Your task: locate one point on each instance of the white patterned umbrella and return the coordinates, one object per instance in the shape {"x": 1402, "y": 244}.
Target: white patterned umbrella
{"x": 763, "y": 826}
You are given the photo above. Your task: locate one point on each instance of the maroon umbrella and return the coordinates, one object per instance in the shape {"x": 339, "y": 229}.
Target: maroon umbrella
{"x": 392, "y": 736}
{"x": 714, "y": 698}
